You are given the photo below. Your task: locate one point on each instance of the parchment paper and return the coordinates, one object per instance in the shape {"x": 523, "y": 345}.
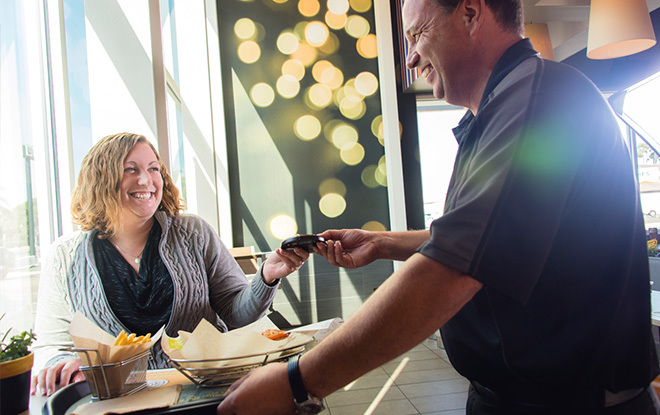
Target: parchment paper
{"x": 208, "y": 343}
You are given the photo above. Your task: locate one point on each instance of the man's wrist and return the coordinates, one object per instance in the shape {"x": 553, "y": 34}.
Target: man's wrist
{"x": 306, "y": 404}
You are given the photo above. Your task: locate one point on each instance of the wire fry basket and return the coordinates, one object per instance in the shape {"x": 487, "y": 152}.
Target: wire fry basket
{"x": 112, "y": 380}
{"x": 211, "y": 373}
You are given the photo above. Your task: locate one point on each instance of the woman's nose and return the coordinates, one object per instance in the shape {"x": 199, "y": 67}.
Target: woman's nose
{"x": 144, "y": 177}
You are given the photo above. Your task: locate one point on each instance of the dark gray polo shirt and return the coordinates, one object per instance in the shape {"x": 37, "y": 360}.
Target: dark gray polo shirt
{"x": 543, "y": 209}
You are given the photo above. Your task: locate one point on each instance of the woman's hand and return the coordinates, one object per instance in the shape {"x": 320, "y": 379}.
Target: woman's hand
{"x": 282, "y": 263}
{"x": 65, "y": 371}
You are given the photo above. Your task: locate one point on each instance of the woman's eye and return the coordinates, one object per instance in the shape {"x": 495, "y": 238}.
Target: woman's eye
{"x": 129, "y": 169}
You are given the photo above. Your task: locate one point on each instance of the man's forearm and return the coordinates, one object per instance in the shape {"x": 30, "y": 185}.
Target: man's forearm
{"x": 401, "y": 245}
{"x": 419, "y": 298}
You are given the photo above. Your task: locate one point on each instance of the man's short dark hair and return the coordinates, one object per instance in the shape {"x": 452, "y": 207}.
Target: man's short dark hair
{"x": 509, "y": 13}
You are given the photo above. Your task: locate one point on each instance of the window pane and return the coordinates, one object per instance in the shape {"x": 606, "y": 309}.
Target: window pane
{"x": 25, "y": 211}
{"x": 437, "y": 150}
{"x": 640, "y": 109}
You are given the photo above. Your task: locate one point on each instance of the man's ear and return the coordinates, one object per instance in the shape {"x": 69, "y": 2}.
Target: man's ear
{"x": 472, "y": 11}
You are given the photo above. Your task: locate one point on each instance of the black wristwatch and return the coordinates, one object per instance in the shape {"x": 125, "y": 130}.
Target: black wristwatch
{"x": 306, "y": 404}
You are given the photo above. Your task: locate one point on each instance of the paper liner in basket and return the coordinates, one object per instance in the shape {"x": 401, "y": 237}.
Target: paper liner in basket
{"x": 86, "y": 334}
{"x": 226, "y": 350}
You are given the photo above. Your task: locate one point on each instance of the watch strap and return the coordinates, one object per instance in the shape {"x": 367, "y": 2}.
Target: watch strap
{"x": 295, "y": 380}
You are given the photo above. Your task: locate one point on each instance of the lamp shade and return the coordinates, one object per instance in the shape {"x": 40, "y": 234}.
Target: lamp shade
{"x": 540, "y": 37}
{"x": 618, "y": 28}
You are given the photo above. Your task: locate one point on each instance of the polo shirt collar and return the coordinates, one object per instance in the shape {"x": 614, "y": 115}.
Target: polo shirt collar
{"x": 511, "y": 58}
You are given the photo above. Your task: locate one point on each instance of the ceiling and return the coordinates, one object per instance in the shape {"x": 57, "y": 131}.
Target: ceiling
{"x": 567, "y": 22}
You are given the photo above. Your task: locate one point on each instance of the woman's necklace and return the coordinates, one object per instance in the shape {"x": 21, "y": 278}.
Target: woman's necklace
{"x": 137, "y": 258}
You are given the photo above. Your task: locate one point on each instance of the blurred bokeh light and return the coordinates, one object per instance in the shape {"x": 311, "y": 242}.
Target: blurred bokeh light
{"x": 245, "y": 29}
{"x": 249, "y": 51}
{"x": 316, "y": 33}
{"x": 294, "y": 68}
{"x": 332, "y": 185}
{"x": 357, "y": 26}
{"x": 332, "y": 205}
{"x": 307, "y": 127}
{"x": 374, "y": 226}
{"x": 262, "y": 94}
{"x": 287, "y": 43}
{"x": 360, "y": 6}
{"x": 309, "y": 8}
{"x": 283, "y": 226}
{"x": 335, "y": 21}
{"x": 352, "y": 154}
{"x": 367, "y": 46}
{"x": 287, "y": 86}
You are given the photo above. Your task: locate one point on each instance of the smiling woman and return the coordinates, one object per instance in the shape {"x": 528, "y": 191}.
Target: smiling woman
{"x": 138, "y": 263}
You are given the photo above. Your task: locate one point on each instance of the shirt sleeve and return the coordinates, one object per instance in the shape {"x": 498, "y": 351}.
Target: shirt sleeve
{"x": 509, "y": 191}
{"x": 54, "y": 311}
{"x": 236, "y": 300}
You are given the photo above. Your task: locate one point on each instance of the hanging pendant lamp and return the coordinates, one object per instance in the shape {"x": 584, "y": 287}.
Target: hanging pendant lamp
{"x": 618, "y": 28}
{"x": 540, "y": 37}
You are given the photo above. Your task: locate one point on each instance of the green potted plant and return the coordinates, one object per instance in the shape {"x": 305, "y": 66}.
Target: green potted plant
{"x": 15, "y": 371}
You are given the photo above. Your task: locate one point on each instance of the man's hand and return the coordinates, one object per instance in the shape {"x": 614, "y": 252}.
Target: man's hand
{"x": 348, "y": 248}
{"x": 263, "y": 391}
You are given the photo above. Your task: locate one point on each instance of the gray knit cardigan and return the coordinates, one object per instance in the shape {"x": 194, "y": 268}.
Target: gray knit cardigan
{"x": 208, "y": 283}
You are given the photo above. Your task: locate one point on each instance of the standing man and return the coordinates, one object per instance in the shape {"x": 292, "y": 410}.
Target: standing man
{"x": 537, "y": 271}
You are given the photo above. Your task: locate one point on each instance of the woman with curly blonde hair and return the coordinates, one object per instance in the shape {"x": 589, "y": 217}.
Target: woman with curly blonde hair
{"x": 138, "y": 263}
{"x": 95, "y": 203}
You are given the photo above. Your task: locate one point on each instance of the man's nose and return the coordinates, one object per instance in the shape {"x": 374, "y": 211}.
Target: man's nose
{"x": 412, "y": 59}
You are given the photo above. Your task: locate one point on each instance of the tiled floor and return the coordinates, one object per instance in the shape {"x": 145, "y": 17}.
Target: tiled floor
{"x": 420, "y": 381}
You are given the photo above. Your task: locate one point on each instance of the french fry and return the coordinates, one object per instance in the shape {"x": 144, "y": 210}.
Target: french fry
{"x": 121, "y": 339}
{"x": 125, "y": 340}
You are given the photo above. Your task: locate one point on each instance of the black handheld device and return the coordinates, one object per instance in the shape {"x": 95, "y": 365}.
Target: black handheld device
{"x": 306, "y": 242}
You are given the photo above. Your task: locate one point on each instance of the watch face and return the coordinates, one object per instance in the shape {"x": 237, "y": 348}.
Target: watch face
{"x": 310, "y": 406}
